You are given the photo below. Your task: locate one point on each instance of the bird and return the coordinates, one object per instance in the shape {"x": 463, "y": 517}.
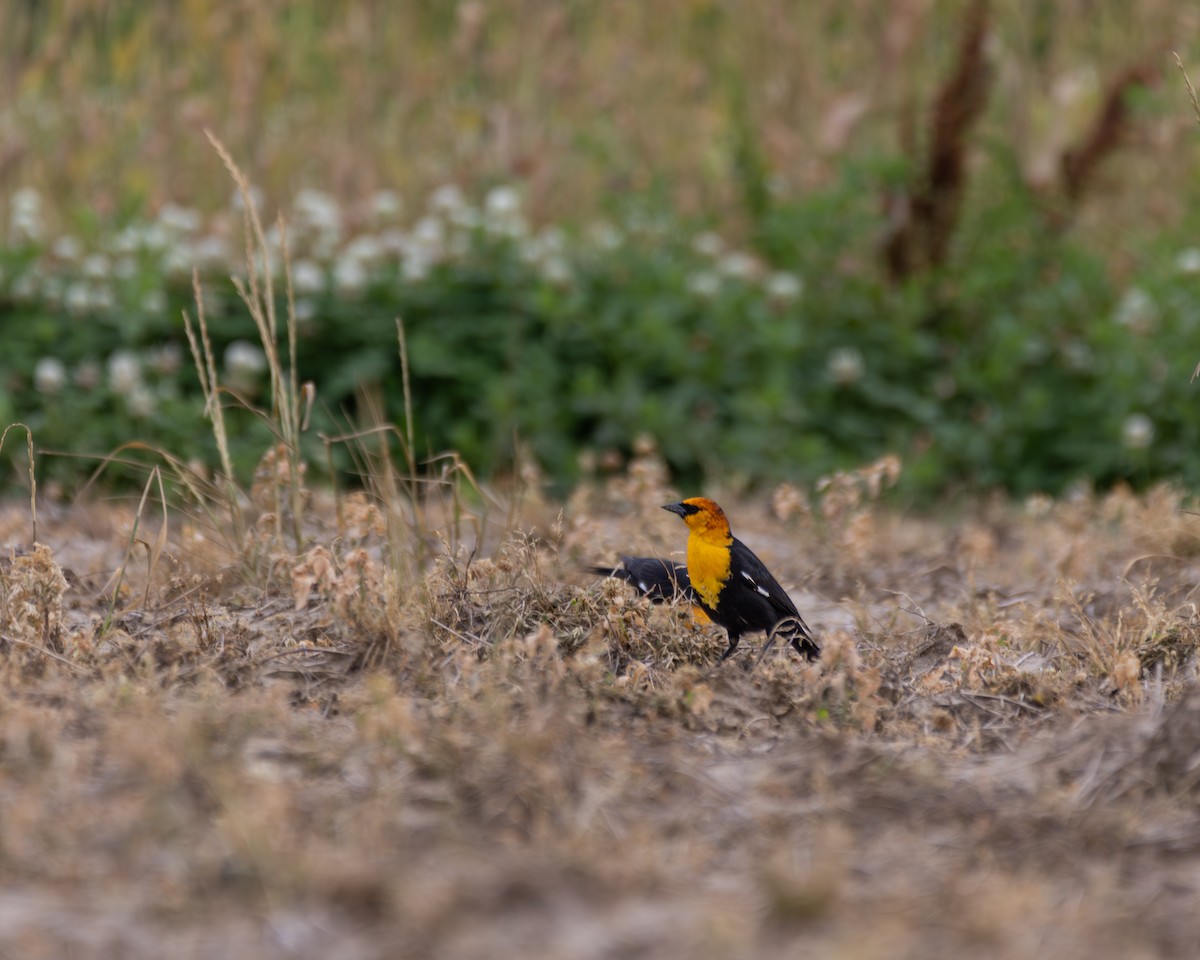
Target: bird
{"x": 733, "y": 587}
{"x": 653, "y": 577}
{"x": 657, "y": 579}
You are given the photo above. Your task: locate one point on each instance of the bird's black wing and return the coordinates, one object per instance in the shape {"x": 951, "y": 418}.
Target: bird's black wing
{"x": 654, "y": 577}
{"x": 750, "y": 573}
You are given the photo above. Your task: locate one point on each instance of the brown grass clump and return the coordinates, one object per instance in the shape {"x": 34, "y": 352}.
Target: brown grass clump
{"x": 347, "y": 752}
{"x": 32, "y": 587}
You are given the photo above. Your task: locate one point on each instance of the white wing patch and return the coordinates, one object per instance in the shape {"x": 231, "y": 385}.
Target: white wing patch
{"x": 761, "y": 589}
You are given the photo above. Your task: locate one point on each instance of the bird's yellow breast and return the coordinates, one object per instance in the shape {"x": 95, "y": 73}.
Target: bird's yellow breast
{"x": 708, "y": 568}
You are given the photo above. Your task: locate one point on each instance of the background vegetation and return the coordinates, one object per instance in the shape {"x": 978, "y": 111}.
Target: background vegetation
{"x": 778, "y": 237}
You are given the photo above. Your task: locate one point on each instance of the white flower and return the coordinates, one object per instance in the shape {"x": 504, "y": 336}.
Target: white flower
{"x": 305, "y": 310}
{"x": 178, "y": 260}
{"x": 551, "y": 242}
{"x": 555, "y": 270}
{"x": 504, "y": 201}
{"x": 502, "y": 212}
{"x": 738, "y": 265}
{"x": 25, "y": 216}
{"x": 210, "y": 252}
{"x": 349, "y": 276}
{"x": 845, "y": 366}
{"x": 27, "y": 200}
{"x": 49, "y": 375}
{"x": 141, "y": 401}
{"x": 430, "y": 235}
{"x": 704, "y": 284}
{"x": 124, "y": 372}
{"x": 783, "y": 286}
{"x": 604, "y": 236}
{"x": 386, "y": 204}
{"x": 244, "y": 358}
{"x": 1137, "y": 310}
{"x": 78, "y": 298}
{"x": 67, "y": 248}
{"x": 365, "y": 248}
{"x": 95, "y": 266}
{"x": 150, "y": 236}
{"x": 468, "y": 219}
{"x": 1188, "y": 261}
{"x": 307, "y": 278}
{"x": 179, "y": 219}
{"x": 416, "y": 265}
{"x": 318, "y": 210}
{"x": 447, "y": 199}
{"x": 708, "y": 245}
{"x": 1137, "y": 431}
{"x": 126, "y": 241}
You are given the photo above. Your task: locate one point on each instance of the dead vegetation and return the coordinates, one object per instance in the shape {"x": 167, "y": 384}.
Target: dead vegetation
{"x": 492, "y": 754}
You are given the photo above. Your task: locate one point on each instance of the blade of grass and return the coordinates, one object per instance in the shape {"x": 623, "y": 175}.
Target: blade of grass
{"x": 1190, "y": 89}
{"x": 32, "y": 471}
{"x": 118, "y": 578}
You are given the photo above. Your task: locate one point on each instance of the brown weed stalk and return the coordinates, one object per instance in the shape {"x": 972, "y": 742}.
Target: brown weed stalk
{"x": 926, "y": 215}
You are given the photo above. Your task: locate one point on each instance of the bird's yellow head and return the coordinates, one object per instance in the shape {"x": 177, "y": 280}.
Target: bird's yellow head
{"x": 703, "y": 517}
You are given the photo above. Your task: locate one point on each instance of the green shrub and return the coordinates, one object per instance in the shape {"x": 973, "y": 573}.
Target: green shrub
{"x": 1019, "y": 365}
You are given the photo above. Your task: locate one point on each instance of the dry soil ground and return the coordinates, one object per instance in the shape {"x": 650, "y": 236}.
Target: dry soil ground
{"x": 339, "y": 753}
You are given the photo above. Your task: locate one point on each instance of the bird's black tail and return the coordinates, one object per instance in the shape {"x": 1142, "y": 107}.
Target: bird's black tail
{"x": 795, "y": 631}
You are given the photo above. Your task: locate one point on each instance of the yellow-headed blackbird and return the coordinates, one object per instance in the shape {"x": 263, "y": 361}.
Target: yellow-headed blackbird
{"x": 657, "y": 579}
{"x": 652, "y": 577}
{"x": 733, "y": 586}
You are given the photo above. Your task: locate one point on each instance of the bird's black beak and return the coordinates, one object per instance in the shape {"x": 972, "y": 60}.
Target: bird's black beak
{"x": 679, "y": 508}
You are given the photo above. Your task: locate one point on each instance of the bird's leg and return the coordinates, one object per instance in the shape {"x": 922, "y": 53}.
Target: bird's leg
{"x": 767, "y": 648}
{"x": 733, "y": 642}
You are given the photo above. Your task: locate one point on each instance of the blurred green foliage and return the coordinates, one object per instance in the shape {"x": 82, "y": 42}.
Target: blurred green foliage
{"x": 1021, "y": 365}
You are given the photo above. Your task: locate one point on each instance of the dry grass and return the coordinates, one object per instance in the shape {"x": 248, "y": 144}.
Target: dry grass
{"x": 105, "y": 103}
{"x": 490, "y": 754}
